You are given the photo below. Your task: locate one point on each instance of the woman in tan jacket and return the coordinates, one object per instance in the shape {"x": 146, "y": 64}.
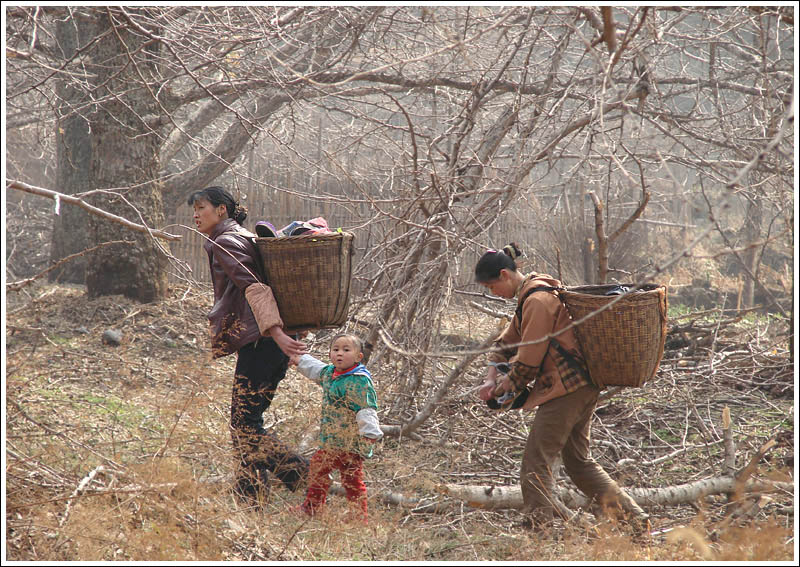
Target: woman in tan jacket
{"x": 541, "y": 349}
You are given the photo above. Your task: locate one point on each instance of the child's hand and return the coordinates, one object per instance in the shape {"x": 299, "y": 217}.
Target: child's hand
{"x": 294, "y": 360}
{"x": 373, "y": 441}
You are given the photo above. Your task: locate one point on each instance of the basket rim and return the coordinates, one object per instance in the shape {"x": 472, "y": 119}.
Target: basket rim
{"x": 644, "y": 288}
{"x": 302, "y": 237}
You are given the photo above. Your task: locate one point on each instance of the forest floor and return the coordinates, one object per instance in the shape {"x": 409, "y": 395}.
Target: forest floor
{"x": 123, "y": 452}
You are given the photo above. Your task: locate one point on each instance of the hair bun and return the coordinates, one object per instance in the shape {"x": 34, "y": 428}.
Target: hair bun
{"x": 512, "y": 250}
{"x": 239, "y": 213}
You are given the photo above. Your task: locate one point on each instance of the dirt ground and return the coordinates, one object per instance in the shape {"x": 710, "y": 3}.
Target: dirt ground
{"x": 122, "y": 451}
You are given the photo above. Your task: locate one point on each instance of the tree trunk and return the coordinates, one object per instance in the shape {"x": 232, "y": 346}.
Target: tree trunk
{"x": 751, "y": 232}
{"x": 124, "y": 157}
{"x": 733, "y": 483}
{"x": 73, "y": 154}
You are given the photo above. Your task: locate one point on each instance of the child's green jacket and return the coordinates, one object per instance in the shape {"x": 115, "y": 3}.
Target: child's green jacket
{"x": 349, "y": 406}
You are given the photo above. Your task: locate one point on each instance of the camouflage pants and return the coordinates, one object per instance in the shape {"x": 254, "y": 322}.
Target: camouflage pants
{"x": 259, "y": 368}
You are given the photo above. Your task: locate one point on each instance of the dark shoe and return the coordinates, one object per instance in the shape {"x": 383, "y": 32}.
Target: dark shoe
{"x": 633, "y": 516}
{"x": 252, "y": 490}
{"x": 245, "y": 492}
{"x": 640, "y": 523}
{"x": 293, "y": 478}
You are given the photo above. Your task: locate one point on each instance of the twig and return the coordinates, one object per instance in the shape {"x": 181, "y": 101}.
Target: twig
{"x": 609, "y": 393}
{"x": 58, "y": 197}
{"x": 80, "y": 488}
{"x": 492, "y": 312}
{"x": 663, "y": 458}
{"x": 433, "y": 402}
{"x": 160, "y": 452}
{"x": 729, "y": 464}
{"x": 60, "y": 433}
{"x": 743, "y": 475}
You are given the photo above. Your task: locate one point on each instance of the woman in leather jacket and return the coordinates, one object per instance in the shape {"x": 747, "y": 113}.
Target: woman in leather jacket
{"x": 245, "y": 320}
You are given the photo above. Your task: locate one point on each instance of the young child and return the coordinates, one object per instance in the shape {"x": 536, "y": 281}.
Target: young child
{"x": 349, "y": 425}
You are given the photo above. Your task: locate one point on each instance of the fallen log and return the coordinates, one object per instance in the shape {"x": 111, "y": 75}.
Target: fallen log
{"x": 510, "y": 497}
{"x": 732, "y": 483}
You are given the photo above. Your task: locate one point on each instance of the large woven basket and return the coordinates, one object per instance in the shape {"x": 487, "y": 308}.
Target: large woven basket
{"x": 623, "y": 344}
{"x": 309, "y": 277}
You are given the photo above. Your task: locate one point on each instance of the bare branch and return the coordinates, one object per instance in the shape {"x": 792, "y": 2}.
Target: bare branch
{"x": 16, "y": 286}
{"x": 59, "y": 197}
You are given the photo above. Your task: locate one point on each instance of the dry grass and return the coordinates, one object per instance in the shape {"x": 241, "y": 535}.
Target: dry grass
{"x": 153, "y": 413}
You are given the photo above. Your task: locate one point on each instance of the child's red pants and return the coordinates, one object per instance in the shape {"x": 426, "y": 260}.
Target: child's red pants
{"x": 350, "y": 466}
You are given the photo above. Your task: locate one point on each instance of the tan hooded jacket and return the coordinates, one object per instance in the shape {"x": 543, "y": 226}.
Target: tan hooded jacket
{"x": 542, "y": 314}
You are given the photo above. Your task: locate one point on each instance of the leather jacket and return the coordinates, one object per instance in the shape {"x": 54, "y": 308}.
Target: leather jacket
{"x": 233, "y": 269}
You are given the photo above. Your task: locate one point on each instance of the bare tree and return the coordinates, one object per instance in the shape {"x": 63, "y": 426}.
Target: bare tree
{"x": 73, "y": 152}
{"x": 596, "y": 133}
{"x": 133, "y": 76}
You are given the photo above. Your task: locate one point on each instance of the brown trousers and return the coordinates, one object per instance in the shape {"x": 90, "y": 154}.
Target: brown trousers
{"x": 562, "y": 426}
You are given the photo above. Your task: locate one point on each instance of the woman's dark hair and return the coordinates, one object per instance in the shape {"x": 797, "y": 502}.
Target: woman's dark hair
{"x": 218, "y": 196}
{"x": 488, "y": 267}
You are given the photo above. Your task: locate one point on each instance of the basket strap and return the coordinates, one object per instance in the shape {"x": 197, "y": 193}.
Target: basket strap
{"x": 573, "y": 363}
{"x": 257, "y": 259}
{"x": 525, "y": 296}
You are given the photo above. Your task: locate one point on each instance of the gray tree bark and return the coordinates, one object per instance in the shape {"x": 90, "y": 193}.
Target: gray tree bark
{"x": 751, "y": 232}
{"x": 125, "y": 165}
{"x": 73, "y": 154}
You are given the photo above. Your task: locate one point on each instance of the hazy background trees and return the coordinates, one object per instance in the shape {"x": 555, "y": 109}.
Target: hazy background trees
{"x": 606, "y": 142}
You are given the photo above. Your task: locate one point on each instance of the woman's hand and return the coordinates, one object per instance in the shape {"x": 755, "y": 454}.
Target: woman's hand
{"x": 487, "y": 388}
{"x": 287, "y": 344}
{"x": 486, "y": 392}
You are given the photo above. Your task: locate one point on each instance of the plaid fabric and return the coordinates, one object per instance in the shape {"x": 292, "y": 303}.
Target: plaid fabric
{"x": 571, "y": 376}
{"x": 521, "y": 374}
{"x": 569, "y": 372}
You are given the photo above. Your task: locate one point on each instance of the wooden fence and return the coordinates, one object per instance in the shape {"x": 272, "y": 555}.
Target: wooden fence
{"x": 275, "y": 206}
{"x": 281, "y": 207}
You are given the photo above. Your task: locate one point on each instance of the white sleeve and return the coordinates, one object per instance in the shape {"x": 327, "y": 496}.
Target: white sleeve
{"x": 310, "y": 367}
{"x": 368, "y": 426}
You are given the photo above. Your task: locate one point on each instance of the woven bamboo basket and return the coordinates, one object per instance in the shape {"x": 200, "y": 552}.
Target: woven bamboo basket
{"x": 310, "y": 278}
{"x": 623, "y": 344}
